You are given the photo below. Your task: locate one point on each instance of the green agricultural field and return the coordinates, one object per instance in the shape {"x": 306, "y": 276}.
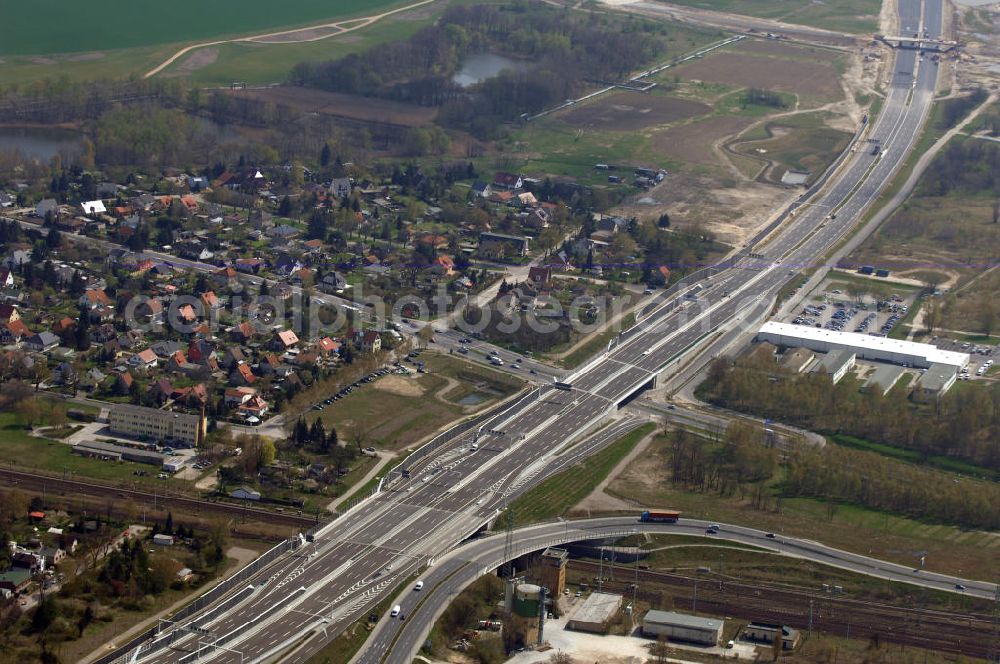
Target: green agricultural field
{"x": 261, "y": 64}
{"x": 841, "y": 15}
{"x": 42, "y": 28}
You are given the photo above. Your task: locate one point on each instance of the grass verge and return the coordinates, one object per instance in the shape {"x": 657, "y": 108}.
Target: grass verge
{"x": 557, "y": 495}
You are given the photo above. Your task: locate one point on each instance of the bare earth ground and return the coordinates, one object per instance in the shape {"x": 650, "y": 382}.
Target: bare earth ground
{"x": 731, "y": 213}
{"x": 692, "y": 143}
{"x": 195, "y": 61}
{"x": 629, "y": 111}
{"x": 404, "y": 387}
{"x": 308, "y": 34}
{"x": 716, "y": 194}
{"x": 307, "y": 100}
{"x": 810, "y": 79}
{"x": 85, "y": 57}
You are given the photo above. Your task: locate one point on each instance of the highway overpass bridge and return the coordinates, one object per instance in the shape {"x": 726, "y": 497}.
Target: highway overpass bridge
{"x": 918, "y": 43}
{"x": 399, "y": 641}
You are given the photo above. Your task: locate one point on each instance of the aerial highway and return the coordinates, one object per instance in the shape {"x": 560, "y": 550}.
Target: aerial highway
{"x": 447, "y": 493}
{"x": 400, "y": 640}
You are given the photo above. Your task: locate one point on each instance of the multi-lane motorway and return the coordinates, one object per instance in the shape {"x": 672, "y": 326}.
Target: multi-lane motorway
{"x": 307, "y": 597}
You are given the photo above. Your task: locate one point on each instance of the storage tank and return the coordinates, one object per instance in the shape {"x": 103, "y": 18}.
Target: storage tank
{"x": 526, "y": 600}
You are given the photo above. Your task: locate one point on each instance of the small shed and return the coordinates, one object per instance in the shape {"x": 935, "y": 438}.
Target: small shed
{"x": 245, "y": 493}
{"x": 163, "y": 540}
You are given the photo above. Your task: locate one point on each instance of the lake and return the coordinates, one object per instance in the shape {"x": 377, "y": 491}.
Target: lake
{"x": 40, "y": 143}
{"x": 481, "y": 66}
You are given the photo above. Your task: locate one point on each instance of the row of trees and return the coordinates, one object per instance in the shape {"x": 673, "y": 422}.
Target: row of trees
{"x": 843, "y": 475}
{"x": 963, "y": 424}
{"x": 742, "y": 463}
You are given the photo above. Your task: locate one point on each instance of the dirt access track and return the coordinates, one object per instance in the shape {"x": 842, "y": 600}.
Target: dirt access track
{"x": 297, "y": 35}
{"x": 309, "y": 100}
{"x": 734, "y": 22}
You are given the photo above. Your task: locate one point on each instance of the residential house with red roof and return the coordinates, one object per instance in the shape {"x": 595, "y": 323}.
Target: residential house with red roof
{"x": 285, "y": 340}
{"x": 143, "y": 360}
{"x": 94, "y": 297}
{"x": 371, "y": 341}
{"x": 242, "y": 375}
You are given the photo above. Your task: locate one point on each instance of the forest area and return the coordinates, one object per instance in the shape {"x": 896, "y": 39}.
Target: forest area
{"x": 969, "y": 167}
{"x": 562, "y": 52}
{"x": 964, "y": 424}
{"x": 738, "y": 464}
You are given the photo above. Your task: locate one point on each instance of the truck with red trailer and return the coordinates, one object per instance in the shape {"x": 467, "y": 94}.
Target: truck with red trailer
{"x": 660, "y": 516}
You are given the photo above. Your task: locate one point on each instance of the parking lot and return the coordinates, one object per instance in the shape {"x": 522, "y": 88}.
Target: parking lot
{"x": 830, "y": 307}
{"x": 384, "y": 371}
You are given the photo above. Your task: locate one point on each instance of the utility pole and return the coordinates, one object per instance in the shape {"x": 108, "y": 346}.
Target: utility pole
{"x": 600, "y": 570}
{"x": 508, "y": 544}
{"x": 995, "y": 656}
{"x": 810, "y": 617}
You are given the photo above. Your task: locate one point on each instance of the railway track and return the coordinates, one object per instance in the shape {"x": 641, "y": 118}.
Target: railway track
{"x": 36, "y": 482}
{"x": 956, "y": 633}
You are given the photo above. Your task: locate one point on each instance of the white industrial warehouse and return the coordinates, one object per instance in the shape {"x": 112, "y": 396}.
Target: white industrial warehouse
{"x": 865, "y": 346}
{"x": 682, "y": 627}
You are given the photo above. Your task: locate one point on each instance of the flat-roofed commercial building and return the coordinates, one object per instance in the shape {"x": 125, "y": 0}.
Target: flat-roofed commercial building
{"x": 884, "y": 378}
{"x": 937, "y": 380}
{"x": 596, "y": 613}
{"x": 864, "y": 346}
{"x": 836, "y": 364}
{"x": 111, "y": 452}
{"x": 155, "y": 424}
{"x": 682, "y": 627}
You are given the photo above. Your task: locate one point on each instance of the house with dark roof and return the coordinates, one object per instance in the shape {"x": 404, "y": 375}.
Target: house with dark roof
{"x": 41, "y": 342}
{"x": 371, "y": 341}
{"x": 340, "y": 187}
{"x": 46, "y": 206}
{"x": 507, "y": 181}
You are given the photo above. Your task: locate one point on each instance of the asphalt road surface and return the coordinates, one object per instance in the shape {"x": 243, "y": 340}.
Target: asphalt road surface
{"x": 395, "y": 640}
{"x": 305, "y": 599}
